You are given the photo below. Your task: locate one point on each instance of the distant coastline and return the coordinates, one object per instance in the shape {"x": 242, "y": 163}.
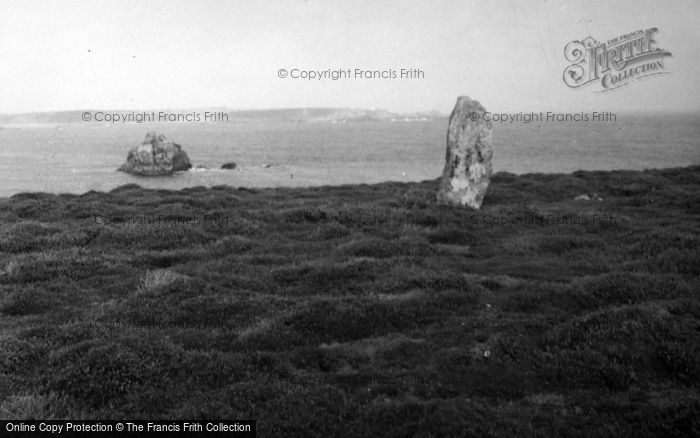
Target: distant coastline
{"x": 299, "y": 115}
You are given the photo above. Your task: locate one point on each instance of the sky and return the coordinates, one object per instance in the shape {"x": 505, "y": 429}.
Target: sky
{"x": 509, "y": 55}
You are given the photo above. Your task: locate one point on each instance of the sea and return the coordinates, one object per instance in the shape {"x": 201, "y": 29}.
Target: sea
{"x": 79, "y": 157}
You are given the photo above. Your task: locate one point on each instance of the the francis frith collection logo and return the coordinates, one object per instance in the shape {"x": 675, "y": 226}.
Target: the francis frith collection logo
{"x": 615, "y": 63}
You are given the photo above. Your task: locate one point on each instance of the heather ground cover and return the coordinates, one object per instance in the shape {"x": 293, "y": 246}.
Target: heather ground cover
{"x": 364, "y": 310}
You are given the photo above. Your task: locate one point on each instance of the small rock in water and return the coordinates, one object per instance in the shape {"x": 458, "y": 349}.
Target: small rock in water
{"x": 230, "y": 166}
{"x": 467, "y": 172}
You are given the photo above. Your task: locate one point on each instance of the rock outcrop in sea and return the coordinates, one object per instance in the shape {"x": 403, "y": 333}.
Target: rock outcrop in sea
{"x": 157, "y": 155}
{"x": 467, "y": 172}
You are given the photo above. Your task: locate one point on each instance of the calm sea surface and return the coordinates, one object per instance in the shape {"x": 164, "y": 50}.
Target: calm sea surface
{"x": 77, "y": 157}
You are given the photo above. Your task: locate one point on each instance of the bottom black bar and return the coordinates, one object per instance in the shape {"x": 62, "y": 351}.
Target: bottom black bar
{"x": 236, "y": 428}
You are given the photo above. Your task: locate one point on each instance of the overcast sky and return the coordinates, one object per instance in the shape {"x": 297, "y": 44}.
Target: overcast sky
{"x": 69, "y": 55}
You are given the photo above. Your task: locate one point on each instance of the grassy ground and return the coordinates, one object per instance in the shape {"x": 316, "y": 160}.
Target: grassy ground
{"x": 361, "y": 310}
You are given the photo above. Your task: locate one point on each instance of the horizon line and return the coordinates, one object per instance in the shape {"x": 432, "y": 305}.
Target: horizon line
{"x": 446, "y": 113}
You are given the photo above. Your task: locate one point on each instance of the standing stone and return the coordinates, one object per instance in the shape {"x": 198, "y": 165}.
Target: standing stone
{"x": 156, "y": 156}
{"x": 468, "y": 169}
